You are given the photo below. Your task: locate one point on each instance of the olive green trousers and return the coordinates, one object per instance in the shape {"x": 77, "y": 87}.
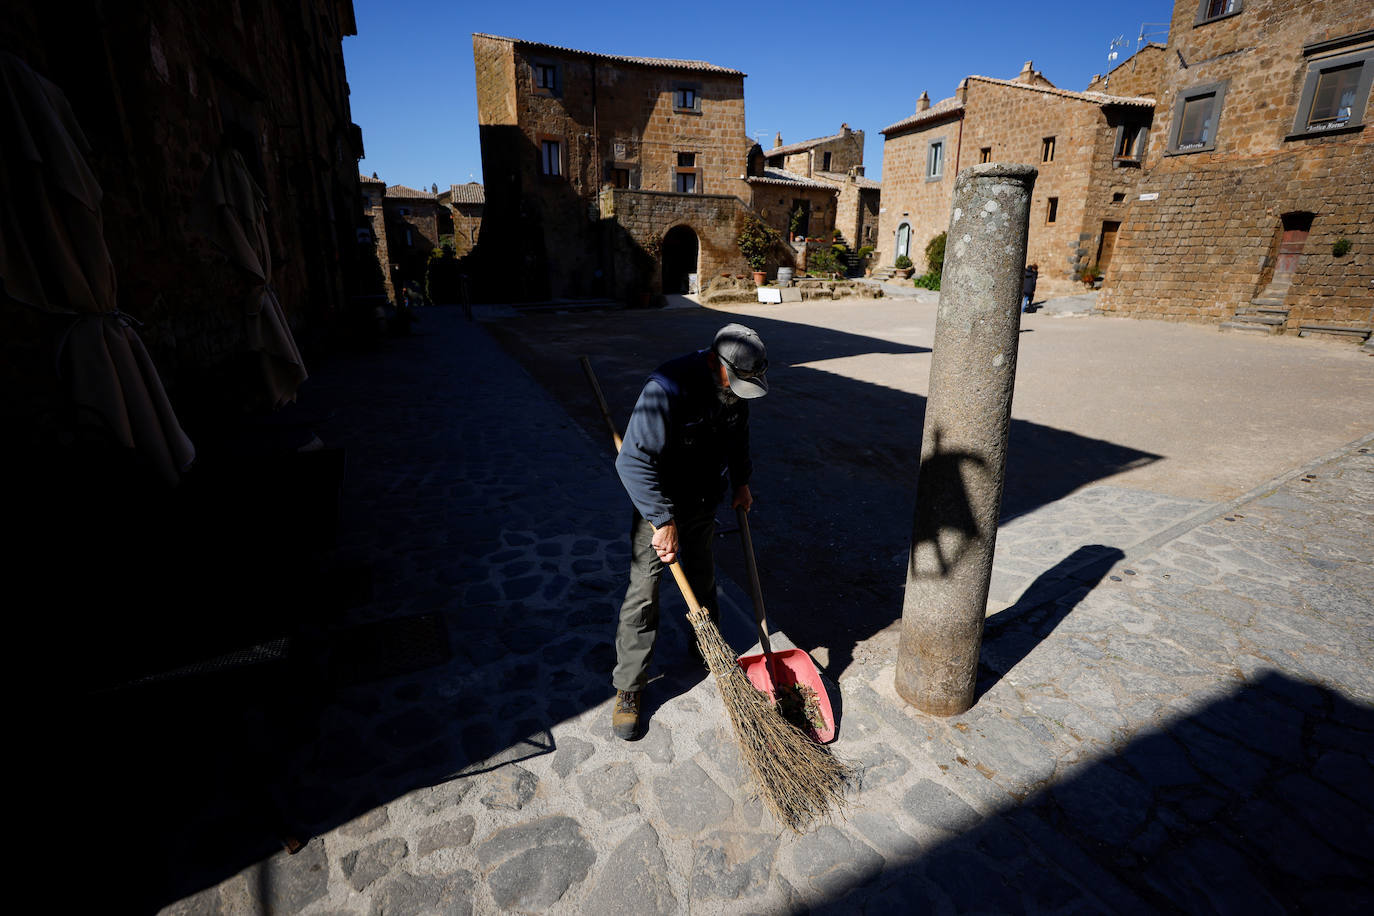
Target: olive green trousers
{"x": 638, "y": 627}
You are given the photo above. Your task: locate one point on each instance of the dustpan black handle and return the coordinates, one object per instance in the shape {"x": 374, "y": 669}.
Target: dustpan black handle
{"x": 743, "y": 515}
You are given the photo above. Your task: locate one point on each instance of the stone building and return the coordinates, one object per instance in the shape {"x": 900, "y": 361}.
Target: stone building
{"x": 605, "y": 175}
{"x": 465, "y": 204}
{"x": 374, "y": 234}
{"x": 415, "y": 222}
{"x": 838, "y": 162}
{"x": 164, "y": 93}
{"x": 1087, "y": 146}
{"x": 1256, "y": 199}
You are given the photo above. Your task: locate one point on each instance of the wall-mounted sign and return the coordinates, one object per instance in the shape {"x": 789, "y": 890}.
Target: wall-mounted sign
{"x": 1153, "y": 195}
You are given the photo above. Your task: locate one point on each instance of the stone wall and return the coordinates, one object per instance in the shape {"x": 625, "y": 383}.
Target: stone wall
{"x": 467, "y": 225}
{"x": 411, "y": 236}
{"x": 374, "y": 210}
{"x": 908, "y": 197}
{"x": 1205, "y": 246}
{"x": 1137, "y": 76}
{"x": 846, "y": 150}
{"x": 776, "y": 201}
{"x": 634, "y": 224}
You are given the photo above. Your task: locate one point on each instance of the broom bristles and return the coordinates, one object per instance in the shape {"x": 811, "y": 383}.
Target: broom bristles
{"x": 798, "y": 779}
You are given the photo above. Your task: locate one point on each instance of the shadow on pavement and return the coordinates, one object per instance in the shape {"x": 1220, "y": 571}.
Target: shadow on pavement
{"x": 1258, "y": 802}
{"x": 835, "y": 458}
{"x": 1012, "y": 634}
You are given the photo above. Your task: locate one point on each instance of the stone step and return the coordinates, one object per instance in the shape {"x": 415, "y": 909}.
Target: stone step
{"x": 1267, "y": 301}
{"x": 1248, "y": 326}
{"x": 1252, "y": 318}
{"x": 1334, "y": 330}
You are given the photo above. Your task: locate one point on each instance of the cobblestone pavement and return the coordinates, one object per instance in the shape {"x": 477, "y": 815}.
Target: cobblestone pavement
{"x": 1176, "y": 706}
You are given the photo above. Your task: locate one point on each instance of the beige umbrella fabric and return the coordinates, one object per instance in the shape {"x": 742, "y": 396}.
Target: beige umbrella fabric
{"x": 233, "y": 211}
{"x": 53, "y": 258}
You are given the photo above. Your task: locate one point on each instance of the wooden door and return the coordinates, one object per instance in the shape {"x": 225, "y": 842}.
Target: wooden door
{"x": 1107, "y": 245}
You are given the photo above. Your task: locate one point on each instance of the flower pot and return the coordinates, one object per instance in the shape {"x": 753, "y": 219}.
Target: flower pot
{"x": 903, "y": 272}
{"x": 760, "y": 277}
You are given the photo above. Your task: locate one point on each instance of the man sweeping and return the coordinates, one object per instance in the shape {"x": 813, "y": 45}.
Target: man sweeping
{"x": 686, "y": 444}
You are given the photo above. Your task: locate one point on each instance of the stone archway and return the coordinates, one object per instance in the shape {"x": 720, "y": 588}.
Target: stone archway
{"x": 680, "y": 255}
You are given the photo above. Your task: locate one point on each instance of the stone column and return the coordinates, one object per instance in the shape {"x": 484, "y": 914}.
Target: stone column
{"x": 964, "y": 446}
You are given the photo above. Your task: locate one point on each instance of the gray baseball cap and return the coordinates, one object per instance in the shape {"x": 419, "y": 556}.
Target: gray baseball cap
{"x": 742, "y": 352}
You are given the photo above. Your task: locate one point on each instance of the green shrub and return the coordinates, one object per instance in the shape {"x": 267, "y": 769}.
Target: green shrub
{"x": 822, "y": 261}
{"x": 928, "y": 281}
{"x": 902, "y": 262}
{"x": 935, "y": 258}
{"x": 1340, "y": 248}
{"x": 866, "y": 252}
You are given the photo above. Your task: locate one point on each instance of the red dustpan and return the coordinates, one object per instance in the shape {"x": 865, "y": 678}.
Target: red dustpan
{"x": 790, "y": 671}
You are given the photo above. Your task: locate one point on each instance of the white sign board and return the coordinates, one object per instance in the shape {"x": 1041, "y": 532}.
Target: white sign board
{"x": 770, "y": 294}
{"x": 1153, "y": 195}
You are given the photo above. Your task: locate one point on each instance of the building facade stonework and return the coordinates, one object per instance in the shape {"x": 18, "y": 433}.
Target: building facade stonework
{"x": 558, "y": 126}
{"x": 1086, "y": 147}
{"x": 1260, "y": 162}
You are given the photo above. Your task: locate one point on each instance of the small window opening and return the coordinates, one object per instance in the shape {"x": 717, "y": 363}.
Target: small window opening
{"x": 1052, "y": 210}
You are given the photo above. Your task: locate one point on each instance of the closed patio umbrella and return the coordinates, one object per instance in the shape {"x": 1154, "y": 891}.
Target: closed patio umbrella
{"x": 232, "y": 210}
{"x": 53, "y": 258}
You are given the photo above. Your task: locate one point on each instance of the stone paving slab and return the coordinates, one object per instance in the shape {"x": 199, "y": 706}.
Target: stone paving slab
{"x": 1193, "y": 730}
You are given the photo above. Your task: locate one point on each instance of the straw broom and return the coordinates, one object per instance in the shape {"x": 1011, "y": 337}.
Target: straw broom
{"x": 797, "y": 779}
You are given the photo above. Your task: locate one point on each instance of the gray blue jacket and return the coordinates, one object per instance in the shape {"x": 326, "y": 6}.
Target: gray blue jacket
{"x": 682, "y": 443}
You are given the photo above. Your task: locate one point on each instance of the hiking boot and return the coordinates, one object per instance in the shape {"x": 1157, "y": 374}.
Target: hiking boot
{"x": 625, "y": 719}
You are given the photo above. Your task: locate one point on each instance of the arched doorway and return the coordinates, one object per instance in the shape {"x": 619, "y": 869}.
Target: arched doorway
{"x": 680, "y": 250}
{"x": 903, "y": 241}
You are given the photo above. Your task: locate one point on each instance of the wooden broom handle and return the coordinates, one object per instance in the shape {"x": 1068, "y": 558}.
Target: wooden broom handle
{"x": 678, "y": 575}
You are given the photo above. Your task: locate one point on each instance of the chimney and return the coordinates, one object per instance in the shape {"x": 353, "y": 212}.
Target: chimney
{"x": 434, "y": 189}
{"x": 844, "y": 129}
{"x": 923, "y": 102}
{"x": 777, "y": 140}
{"x": 1027, "y": 74}
{"x": 961, "y": 92}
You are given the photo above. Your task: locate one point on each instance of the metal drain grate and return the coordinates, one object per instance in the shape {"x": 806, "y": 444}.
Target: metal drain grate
{"x": 373, "y": 651}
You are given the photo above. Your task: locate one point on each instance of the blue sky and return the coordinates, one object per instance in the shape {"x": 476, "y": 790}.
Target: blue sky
{"x": 811, "y": 65}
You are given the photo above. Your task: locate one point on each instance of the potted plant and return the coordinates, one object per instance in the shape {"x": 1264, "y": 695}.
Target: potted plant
{"x": 755, "y": 240}
{"x": 1090, "y": 275}
{"x": 902, "y": 267}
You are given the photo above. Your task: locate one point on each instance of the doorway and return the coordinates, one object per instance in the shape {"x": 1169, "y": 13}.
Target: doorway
{"x": 1107, "y": 245}
{"x": 903, "y": 241}
{"x": 1296, "y": 227}
{"x": 680, "y": 250}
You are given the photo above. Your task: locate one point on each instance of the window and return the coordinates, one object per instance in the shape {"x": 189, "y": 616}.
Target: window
{"x": 620, "y": 178}
{"x": 410, "y": 239}
{"x": 548, "y": 80}
{"x": 551, "y": 157}
{"x": 1335, "y": 93}
{"x": 1130, "y": 142}
{"x": 686, "y": 177}
{"x": 825, "y": 162}
{"x": 985, "y": 154}
{"x": 1118, "y": 197}
{"x": 687, "y": 98}
{"x": 1196, "y": 113}
{"x": 1047, "y": 149}
{"x": 1209, "y": 10}
{"x": 935, "y": 159}
{"x": 1052, "y": 210}
{"x": 402, "y": 211}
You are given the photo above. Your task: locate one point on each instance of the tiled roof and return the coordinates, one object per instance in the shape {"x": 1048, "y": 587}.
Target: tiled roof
{"x": 941, "y": 109}
{"x": 791, "y": 148}
{"x": 470, "y": 193}
{"x": 1100, "y": 98}
{"x": 661, "y": 62}
{"x": 400, "y": 190}
{"x": 367, "y": 179}
{"x": 782, "y": 176}
{"x": 840, "y": 178}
